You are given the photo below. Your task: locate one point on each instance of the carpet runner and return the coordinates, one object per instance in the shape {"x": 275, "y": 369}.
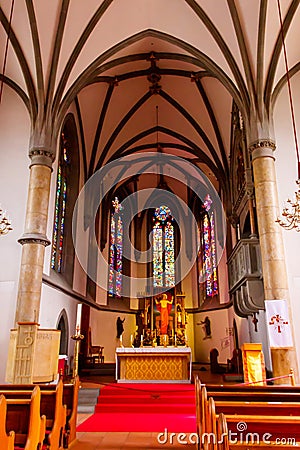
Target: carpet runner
{"x": 144, "y": 408}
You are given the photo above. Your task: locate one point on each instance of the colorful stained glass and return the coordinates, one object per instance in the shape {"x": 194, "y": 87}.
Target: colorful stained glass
{"x": 116, "y": 250}
{"x": 60, "y": 208}
{"x": 214, "y": 255}
{"x": 169, "y": 255}
{"x": 162, "y": 213}
{"x": 163, "y": 248}
{"x": 158, "y": 255}
{"x": 207, "y": 260}
{"x": 111, "y": 277}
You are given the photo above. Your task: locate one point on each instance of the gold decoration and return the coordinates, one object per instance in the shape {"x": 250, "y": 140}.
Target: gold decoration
{"x": 291, "y": 213}
{"x": 5, "y": 224}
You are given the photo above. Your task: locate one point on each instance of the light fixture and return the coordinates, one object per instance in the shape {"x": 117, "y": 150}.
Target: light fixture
{"x": 290, "y": 219}
{"x": 5, "y": 225}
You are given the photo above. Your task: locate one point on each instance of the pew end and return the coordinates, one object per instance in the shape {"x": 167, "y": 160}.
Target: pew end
{"x": 6, "y": 440}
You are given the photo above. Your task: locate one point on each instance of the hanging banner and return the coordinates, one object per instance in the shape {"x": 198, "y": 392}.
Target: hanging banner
{"x": 278, "y": 323}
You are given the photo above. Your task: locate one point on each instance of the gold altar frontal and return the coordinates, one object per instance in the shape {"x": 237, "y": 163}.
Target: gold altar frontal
{"x": 153, "y": 364}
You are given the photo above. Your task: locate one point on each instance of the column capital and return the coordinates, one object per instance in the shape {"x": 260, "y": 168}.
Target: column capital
{"x": 262, "y": 148}
{"x": 34, "y": 238}
{"x": 41, "y": 156}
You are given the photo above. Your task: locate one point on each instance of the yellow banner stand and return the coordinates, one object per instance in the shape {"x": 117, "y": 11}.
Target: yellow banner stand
{"x": 253, "y": 364}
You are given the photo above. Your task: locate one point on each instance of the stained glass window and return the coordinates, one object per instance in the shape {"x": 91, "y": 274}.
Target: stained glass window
{"x": 207, "y": 259}
{"x": 163, "y": 248}
{"x": 116, "y": 250}
{"x": 60, "y": 206}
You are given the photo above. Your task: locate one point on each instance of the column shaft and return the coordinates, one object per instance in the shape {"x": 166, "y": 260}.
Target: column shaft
{"x": 34, "y": 241}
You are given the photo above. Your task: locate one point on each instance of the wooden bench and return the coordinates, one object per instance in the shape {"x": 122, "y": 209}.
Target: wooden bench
{"x": 6, "y": 440}
{"x": 70, "y": 399}
{"x": 51, "y": 407}
{"x": 58, "y": 403}
{"x": 23, "y": 417}
{"x": 281, "y": 420}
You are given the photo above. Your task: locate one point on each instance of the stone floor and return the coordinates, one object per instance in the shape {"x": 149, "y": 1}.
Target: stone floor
{"x": 130, "y": 440}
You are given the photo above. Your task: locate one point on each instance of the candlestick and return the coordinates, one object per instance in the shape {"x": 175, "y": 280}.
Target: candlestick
{"x": 131, "y": 340}
{"x": 78, "y": 316}
{"x": 77, "y": 337}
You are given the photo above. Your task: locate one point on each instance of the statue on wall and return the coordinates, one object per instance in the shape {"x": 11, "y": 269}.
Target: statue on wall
{"x": 206, "y": 327}
{"x": 164, "y": 306}
{"x": 120, "y": 327}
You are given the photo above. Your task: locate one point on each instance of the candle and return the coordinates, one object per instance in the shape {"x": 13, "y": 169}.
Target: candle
{"x": 78, "y": 317}
{"x": 175, "y": 340}
{"x": 131, "y": 339}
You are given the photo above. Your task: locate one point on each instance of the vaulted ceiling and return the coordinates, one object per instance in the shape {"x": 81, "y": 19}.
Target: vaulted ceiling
{"x": 143, "y": 72}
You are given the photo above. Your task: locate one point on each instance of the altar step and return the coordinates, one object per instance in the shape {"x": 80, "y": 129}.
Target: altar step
{"x": 154, "y": 398}
{"x": 87, "y": 399}
{"x": 119, "y": 389}
{"x": 143, "y": 407}
{"x": 146, "y": 408}
{"x": 99, "y": 369}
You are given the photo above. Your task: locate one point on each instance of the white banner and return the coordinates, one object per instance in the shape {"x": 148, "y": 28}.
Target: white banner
{"x": 278, "y": 323}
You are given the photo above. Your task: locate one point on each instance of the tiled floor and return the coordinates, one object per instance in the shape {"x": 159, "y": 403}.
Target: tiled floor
{"x": 130, "y": 440}
{"x": 127, "y": 440}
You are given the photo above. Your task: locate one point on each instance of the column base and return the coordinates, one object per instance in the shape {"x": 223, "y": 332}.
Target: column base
{"x": 283, "y": 360}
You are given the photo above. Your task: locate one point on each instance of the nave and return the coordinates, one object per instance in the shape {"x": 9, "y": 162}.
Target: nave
{"x": 221, "y": 415}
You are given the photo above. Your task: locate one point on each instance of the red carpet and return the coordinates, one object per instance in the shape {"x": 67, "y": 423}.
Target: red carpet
{"x": 144, "y": 407}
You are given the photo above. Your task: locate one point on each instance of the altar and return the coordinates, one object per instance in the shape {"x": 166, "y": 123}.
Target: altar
{"x": 153, "y": 364}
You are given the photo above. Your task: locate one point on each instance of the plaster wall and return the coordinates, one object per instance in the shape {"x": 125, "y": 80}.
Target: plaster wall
{"x": 220, "y": 338}
{"x": 14, "y": 176}
{"x": 104, "y": 331}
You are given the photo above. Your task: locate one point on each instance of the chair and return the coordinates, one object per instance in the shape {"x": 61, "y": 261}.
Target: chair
{"x": 95, "y": 352}
{"x": 235, "y": 364}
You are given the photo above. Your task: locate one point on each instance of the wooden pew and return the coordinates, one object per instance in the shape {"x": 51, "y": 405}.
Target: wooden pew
{"x": 6, "y": 440}
{"x": 70, "y": 399}
{"x": 223, "y": 442}
{"x": 51, "y": 406}
{"x": 212, "y": 431}
{"x": 280, "y": 423}
{"x": 278, "y": 388}
{"x": 23, "y": 416}
{"x": 59, "y": 403}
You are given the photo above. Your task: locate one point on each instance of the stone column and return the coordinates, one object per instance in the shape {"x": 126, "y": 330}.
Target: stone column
{"x": 270, "y": 236}
{"x": 34, "y": 241}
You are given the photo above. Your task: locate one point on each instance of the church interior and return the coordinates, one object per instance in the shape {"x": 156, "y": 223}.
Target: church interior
{"x": 149, "y": 191}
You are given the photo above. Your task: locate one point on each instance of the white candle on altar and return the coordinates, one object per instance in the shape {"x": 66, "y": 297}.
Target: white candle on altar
{"x": 131, "y": 339}
{"x": 78, "y": 317}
